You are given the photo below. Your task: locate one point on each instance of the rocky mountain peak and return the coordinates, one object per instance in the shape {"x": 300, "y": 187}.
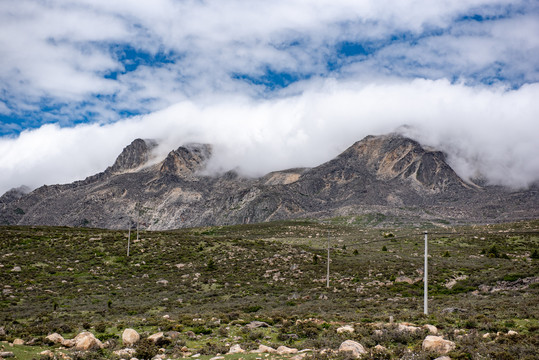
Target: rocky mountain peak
{"x": 133, "y": 156}
{"x": 390, "y": 175}
{"x": 397, "y": 157}
{"x": 15, "y": 194}
{"x": 186, "y": 159}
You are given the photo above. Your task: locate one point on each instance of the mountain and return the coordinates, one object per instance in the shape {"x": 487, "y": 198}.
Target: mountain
{"x": 391, "y": 175}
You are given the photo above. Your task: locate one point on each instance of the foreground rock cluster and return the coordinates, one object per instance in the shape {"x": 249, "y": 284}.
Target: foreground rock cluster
{"x": 435, "y": 344}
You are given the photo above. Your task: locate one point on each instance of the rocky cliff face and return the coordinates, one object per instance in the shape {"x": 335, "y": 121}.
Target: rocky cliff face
{"x": 389, "y": 175}
{"x": 186, "y": 160}
{"x": 133, "y": 156}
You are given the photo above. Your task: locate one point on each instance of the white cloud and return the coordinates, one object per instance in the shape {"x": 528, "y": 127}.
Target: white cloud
{"x": 492, "y": 131}
{"x": 57, "y": 52}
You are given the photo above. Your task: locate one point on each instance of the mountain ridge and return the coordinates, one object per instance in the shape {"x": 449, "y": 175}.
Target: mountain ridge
{"x": 388, "y": 174}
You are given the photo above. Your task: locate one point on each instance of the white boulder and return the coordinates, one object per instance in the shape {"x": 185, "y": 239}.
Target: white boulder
{"x": 130, "y": 337}
{"x": 355, "y": 348}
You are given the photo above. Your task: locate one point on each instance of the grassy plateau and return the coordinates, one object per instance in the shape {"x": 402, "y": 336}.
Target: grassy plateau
{"x": 207, "y": 284}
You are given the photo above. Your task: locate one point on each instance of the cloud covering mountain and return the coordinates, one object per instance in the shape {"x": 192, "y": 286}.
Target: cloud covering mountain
{"x": 271, "y": 84}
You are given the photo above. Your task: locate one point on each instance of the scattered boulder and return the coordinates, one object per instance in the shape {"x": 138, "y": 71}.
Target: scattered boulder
{"x": 125, "y": 353}
{"x": 32, "y": 341}
{"x": 265, "y": 349}
{"x": 256, "y": 325}
{"x": 451, "y": 310}
{"x": 283, "y": 350}
{"x": 68, "y": 343}
{"x": 2, "y": 331}
{"x": 173, "y": 335}
{"x": 55, "y": 338}
{"x": 355, "y": 348}
{"x": 162, "y": 282}
{"x": 87, "y": 341}
{"x": 437, "y": 344}
{"x": 404, "y": 279}
{"x": 130, "y": 337}
{"x": 18, "y": 342}
{"x": 345, "y": 328}
{"x": 156, "y": 338}
{"x": 408, "y": 328}
{"x": 512, "y": 333}
{"x": 433, "y": 330}
{"x": 298, "y": 356}
{"x": 6, "y": 354}
{"x": 190, "y": 334}
{"x": 236, "y": 349}
{"x": 443, "y": 358}
{"x": 16, "y": 269}
{"x": 380, "y": 352}
{"x": 47, "y": 353}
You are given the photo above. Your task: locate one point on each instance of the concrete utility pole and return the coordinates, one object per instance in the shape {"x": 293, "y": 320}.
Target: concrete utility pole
{"x": 425, "y": 281}
{"x": 138, "y": 217}
{"x": 129, "y": 239}
{"x": 327, "y": 277}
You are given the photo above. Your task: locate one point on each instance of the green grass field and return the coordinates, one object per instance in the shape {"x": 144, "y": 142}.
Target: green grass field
{"x": 214, "y": 280}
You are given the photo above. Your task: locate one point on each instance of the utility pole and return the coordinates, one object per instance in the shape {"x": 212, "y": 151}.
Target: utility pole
{"x": 425, "y": 281}
{"x": 138, "y": 217}
{"x": 129, "y": 239}
{"x": 327, "y": 277}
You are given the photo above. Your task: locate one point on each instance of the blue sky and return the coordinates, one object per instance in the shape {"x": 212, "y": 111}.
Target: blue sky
{"x": 78, "y": 64}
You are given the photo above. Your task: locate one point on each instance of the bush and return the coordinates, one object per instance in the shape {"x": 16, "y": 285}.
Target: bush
{"x": 213, "y": 349}
{"x": 211, "y": 266}
{"x": 201, "y": 330}
{"x": 146, "y": 350}
{"x": 101, "y": 327}
{"x": 252, "y": 309}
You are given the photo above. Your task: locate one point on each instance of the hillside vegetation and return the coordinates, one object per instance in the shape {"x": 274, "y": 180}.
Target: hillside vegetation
{"x": 208, "y": 283}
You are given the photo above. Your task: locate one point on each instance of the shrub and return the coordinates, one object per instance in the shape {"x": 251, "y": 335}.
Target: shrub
{"x": 252, "y": 309}
{"x": 513, "y": 277}
{"x": 201, "y": 330}
{"x": 101, "y": 327}
{"x": 146, "y": 350}
{"x": 213, "y": 349}
{"x": 223, "y": 331}
{"x": 211, "y": 266}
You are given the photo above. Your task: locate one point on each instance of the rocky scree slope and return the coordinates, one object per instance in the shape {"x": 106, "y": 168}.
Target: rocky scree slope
{"x": 389, "y": 174}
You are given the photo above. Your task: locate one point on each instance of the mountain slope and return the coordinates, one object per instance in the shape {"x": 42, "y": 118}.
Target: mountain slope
{"x": 389, "y": 174}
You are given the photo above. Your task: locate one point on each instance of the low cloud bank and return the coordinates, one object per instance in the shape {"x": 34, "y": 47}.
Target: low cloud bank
{"x": 485, "y": 131}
